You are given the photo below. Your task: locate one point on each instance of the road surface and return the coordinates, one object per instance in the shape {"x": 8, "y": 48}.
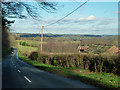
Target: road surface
{"x": 18, "y": 74}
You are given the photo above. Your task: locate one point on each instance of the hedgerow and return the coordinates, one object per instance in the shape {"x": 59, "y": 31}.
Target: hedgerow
{"x": 96, "y": 63}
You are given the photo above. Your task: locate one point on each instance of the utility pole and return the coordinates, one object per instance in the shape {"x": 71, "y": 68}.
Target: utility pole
{"x": 18, "y": 46}
{"x": 41, "y": 38}
{"x": 21, "y": 44}
{"x": 17, "y": 42}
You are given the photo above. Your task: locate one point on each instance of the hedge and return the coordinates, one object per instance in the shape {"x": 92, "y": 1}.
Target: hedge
{"x": 97, "y": 63}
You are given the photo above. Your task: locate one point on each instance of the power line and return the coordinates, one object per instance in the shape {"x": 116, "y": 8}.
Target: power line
{"x": 67, "y": 14}
{"x": 62, "y": 18}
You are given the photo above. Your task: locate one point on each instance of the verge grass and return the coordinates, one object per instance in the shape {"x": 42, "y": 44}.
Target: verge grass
{"x": 104, "y": 80}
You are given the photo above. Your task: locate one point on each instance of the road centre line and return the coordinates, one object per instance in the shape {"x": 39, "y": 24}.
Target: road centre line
{"x": 27, "y": 79}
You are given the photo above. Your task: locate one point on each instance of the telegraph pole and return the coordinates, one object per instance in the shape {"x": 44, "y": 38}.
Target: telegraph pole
{"x": 41, "y": 38}
{"x": 21, "y": 44}
{"x": 18, "y": 46}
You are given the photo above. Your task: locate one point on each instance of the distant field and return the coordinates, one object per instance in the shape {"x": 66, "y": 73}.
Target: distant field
{"x": 69, "y": 43}
{"x": 28, "y": 49}
{"x": 31, "y": 42}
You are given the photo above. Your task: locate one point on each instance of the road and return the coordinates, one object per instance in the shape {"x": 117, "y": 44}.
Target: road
{"x": 18, "y": 74}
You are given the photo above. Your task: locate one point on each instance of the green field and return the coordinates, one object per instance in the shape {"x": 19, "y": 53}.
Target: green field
{"x": 32, "y": 43}
{"x": 27, "y": 49}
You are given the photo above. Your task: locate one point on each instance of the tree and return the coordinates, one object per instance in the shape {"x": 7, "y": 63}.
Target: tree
{"x": 15, "y": 10}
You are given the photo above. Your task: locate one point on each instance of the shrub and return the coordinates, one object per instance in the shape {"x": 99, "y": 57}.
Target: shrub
{"x": 92, "y": 62}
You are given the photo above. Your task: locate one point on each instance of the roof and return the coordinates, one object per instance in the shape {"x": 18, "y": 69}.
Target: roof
{"x": 82, "y": 47}
{"x": 113, "y": 49}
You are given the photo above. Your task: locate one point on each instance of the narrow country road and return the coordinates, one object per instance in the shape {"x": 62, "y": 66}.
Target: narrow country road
{"x": 18, "y": 74}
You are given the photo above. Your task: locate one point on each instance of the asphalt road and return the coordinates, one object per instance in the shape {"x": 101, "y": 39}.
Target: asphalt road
{"x": 18, "y": 74}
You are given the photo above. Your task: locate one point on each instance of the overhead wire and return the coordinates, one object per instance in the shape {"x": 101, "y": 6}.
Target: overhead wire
{"x": 66, "y": 15}
{"x": 63, "y": 17}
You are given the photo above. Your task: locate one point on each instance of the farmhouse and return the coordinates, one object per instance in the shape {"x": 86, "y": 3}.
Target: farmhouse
{"x": 82, "y": 48}
{"x": 113, "y": 50}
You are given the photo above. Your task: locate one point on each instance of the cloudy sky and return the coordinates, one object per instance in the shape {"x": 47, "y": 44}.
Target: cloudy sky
{"x": 98, "y": 18}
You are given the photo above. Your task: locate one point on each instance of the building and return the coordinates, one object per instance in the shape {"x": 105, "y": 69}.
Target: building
{"x": 113, "y": 50}
{"x": 82, "y": 48}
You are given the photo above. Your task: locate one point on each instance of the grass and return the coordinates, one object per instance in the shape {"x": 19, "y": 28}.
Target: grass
{"x": 108, "y": 79}
{"x": 31, "y": 42}
{"x": 27, "y": 49}
{"x": 104, "y": 80}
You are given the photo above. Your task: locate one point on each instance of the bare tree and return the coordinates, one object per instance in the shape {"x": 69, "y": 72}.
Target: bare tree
{"x": 15, "y": 9}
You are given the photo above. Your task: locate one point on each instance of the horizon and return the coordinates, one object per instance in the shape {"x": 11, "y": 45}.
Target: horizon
{"x": 66, "y": 34}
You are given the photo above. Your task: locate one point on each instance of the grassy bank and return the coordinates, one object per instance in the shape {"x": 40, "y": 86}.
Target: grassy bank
{"x": 104, "y": 80}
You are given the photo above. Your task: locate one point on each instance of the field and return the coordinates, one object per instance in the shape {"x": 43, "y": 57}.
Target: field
{"x": 31, "y": 43}
{"x": 69, "y": 43}
{"x": 26, "y": 49}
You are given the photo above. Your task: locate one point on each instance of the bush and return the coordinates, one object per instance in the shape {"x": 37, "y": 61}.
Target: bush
{"x": 92, "y": 62}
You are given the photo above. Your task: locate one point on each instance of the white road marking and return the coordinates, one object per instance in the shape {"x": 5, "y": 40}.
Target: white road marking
{"x": 15, "y": 66}
{"x": 19, "y": 71}
{"x": 27, "y": 79}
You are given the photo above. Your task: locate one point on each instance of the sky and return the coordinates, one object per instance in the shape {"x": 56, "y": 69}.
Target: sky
{"x": 95, "y": 18}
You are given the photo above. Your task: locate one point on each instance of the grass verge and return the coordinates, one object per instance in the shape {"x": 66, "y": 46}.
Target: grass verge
{"x": 104, "y": 80}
